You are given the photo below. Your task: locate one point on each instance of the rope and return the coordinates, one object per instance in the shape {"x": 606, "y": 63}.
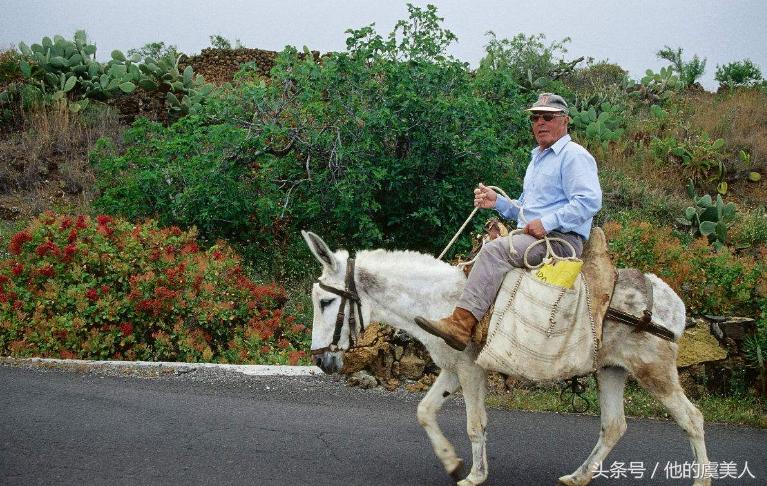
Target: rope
{"x": 549, "y": 250}
{"x": 460, "y": 230}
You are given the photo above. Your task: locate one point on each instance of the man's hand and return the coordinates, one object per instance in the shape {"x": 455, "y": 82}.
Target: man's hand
{"x": 484, "y": 197}
{"x": 535, "y": 228}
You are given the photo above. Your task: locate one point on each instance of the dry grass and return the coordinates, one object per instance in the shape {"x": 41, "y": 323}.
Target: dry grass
{"x": 45, "y": 166}
{"x": 739, "y": 117}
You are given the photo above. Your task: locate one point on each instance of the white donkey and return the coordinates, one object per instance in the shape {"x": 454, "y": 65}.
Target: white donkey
{"x": 395, "y": 286}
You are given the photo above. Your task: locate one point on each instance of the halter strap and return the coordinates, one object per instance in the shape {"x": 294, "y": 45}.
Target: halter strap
{"x": 350, "y": 295}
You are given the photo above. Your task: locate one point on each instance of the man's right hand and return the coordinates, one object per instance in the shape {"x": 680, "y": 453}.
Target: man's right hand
{"x": 484, "y": 197}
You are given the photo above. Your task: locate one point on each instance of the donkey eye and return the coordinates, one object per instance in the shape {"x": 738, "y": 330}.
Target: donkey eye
{"x": 325, "y": 302}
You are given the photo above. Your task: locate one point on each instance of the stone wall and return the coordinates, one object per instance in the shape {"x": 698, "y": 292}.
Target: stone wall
{"x": 218, "y": 66}
{"x": 389, "y": 358}
{"x": 710, "y": 355}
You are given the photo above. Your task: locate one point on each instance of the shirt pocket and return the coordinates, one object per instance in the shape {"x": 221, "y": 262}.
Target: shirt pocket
{"x": 548, "y": 182}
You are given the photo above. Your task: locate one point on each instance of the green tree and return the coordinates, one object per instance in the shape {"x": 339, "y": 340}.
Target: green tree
{"x": 738, "y": 74}
{"x": 220, "y": 42}
{"x": 531, "y": 63}
{"x": 689, "y": 72}
{"x": 379, "y": 145}
{"x": 155, "y": 50}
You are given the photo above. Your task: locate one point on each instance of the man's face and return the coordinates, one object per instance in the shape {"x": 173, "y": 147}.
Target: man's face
{"x": 548, "y": 131}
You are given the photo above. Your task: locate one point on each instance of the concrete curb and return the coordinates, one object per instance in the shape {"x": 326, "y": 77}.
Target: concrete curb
{"x": 252, "y": 370}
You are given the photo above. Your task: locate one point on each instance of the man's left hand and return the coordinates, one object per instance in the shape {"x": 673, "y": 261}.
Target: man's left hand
{"x": 535, "y": 228}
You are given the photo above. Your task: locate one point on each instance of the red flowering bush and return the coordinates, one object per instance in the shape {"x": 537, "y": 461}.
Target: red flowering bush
{"x": 105, "y": 288}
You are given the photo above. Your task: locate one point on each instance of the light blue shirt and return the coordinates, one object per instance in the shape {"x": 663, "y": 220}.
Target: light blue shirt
{"x": 561, "y": 188}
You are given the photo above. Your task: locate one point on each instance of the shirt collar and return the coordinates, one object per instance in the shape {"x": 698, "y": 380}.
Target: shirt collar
{"x": 557, "y": 147}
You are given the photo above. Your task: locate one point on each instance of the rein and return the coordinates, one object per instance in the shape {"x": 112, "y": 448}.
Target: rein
{"x": 348, "y": 294}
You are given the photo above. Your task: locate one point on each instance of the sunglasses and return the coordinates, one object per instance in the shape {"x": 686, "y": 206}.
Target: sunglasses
{"x": 546, "y": 116}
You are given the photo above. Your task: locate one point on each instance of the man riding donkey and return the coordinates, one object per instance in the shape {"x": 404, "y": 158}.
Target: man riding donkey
{"x": 560, "y": 196}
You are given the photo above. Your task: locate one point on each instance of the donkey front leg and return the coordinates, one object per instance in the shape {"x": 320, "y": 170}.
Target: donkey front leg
{"x": 611, "y": 385}
{"x": 474, "y": 384}
{"x": 445, "y": 385}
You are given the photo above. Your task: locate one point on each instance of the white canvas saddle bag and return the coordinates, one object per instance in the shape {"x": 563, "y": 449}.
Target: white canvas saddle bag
{"x": 540, "y": 331}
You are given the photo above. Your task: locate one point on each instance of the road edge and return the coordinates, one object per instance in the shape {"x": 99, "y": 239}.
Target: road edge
{"x": 250, "y": 370}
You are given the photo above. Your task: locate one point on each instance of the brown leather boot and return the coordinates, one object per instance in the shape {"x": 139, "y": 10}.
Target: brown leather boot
{"x": 454, "y": 329}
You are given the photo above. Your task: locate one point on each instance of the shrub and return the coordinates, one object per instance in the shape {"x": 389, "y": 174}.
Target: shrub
{"x": 709, "y": 282}
{"x": 9, "y": 66}
{"x": 380, "y": 145}
{"x": 182, "y": 175}
{"x": 596, "y": 77}
{"x": 156, "y": 50}
{"x": 738, "y": 74}
{"x": 701, "y": 159}
{"x": 104, "y": 288}
{"x": 220, "y": 42}
{"x": 528, "y": 61}
{"x": 688, "y": 72}
{"x": 750, "y": 229}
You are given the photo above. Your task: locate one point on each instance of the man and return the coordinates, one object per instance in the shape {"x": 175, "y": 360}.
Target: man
{"x": 560, "y": 196}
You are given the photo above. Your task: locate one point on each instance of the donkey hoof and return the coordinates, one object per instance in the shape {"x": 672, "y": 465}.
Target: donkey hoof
{"x": 571, "y": 480}
{"x": 457, "y": 472}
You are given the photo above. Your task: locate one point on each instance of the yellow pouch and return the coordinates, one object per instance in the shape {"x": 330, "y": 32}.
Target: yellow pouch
{"x": 560, "y": 272}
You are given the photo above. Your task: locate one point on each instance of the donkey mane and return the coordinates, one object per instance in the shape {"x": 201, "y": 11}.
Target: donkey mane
{"x": 407, "y": 264}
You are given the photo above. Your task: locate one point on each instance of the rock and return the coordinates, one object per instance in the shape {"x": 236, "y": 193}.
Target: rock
{"x": 362, "y": 379}
{"x": 398, "y": 352}
{"x": 395, "y": 369}
{"x": 391, "y": 384}
{"x": 382, "y": 366}
{"x": 365, "y": 354}
{"x": 416, "y": 387}
{"x": 737, "y": 328}
{"x": 358, "y": 359}
{"x": 411, "y": 366}
{"x": 697, "y": 345}
{"x": 421, "y": 385}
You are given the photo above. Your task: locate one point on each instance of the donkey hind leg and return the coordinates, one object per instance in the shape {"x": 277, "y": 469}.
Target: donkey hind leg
{"x": 474, "y": 384}
{"x": 444, "y": 386}
{"x": 661, "y": 379}
{"x": 612, "y": 381}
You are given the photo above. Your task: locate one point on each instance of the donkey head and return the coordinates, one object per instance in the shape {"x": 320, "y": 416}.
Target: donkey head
{"x": 338, "y": 312}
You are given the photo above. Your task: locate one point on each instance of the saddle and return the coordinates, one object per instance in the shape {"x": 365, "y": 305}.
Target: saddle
{"x": 598, "y": 272}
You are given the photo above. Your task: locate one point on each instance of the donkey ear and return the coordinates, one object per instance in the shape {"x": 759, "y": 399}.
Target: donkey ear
{"x": 320, "y": 250}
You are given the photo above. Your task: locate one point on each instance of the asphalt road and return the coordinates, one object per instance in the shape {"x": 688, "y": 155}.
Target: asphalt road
{"x": 60, "y": 427}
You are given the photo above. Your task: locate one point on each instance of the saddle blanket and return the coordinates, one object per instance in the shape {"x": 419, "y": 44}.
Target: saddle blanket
{"x": 540, "y": 331}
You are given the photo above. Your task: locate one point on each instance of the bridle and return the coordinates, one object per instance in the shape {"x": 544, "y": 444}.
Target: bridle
{"x": 348, "y": 294}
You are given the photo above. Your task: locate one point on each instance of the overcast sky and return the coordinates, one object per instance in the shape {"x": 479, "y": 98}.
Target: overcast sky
{"x": 625, "y": 32}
